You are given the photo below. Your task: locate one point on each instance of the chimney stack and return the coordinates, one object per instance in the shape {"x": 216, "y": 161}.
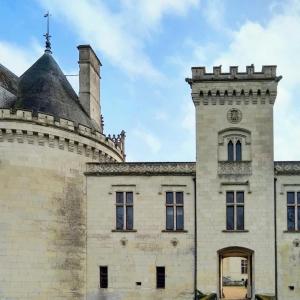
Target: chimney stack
{"x": 89, "y": 83}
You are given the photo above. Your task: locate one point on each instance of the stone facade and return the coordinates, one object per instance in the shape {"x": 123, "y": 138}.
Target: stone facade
{"x": 60, "y": 183}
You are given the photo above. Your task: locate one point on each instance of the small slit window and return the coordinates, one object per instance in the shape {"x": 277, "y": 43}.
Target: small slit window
{"x": 160, "y": 277}
{"x": 103, "y": 277}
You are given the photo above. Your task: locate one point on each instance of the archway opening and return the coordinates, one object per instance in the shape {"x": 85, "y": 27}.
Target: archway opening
{"x": 235, "y": 273}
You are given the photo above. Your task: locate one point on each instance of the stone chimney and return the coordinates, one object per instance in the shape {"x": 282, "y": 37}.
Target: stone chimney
{"x": 89, "y": 83}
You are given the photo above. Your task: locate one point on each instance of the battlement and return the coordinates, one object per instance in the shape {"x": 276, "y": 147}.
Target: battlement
{"x": 114, "y": 142}
{"x": 234, "y": 88}
{"x": 200, "y": 74}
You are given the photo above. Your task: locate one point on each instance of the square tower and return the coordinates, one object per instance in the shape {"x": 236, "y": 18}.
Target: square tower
{"x": 235, "y": 174}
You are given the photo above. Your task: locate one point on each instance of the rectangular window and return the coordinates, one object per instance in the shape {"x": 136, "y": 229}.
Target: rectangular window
{"x": 293, "y": 211}
{"x": 124, "y": 210}
{"x": 244, "y": 266}
{"x": 174, "y": 211}
{"x": 235, "y": 213}
{"x": 103, "y": 277}
{"x": 160, "y": 277}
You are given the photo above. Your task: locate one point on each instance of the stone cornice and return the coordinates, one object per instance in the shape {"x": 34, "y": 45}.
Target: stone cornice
{"x": 115, "y": 144}
{"x": 287, "y": 167}
{"x": 142, "y": 168}
{"x": 59, "y": 141}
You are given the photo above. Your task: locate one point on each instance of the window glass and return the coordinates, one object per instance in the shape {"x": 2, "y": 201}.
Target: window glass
{"x": 230, "y": 218}
{"x": 240, "y": 197}
{"x": 291, "y": 217}
{"x": 229, "y": 197}
{"x": 179, "y": 218}
{"x": 129, "y": 217}
{"x": 119, "y": 198}
{"x": 238, "y": 151}
{"x": 170, "y": 218}
{"x": 160, "y": 277}
{"x": 298, "y": 198}
{"x": 230, "y": 151}
{"x": 298, "y": 217}
{"x": 169, "y": 198}
{"x": 179, "y": 197}
{"x": 103, "y": 277}
{"x": 290, "y": 198}
{"x": 240, "y": 218}
{"x": 129, "y": 198}
{"x": 120, "y": 217}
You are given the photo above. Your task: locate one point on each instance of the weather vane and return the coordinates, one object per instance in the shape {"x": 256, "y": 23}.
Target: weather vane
{"x": 47, "y": 35}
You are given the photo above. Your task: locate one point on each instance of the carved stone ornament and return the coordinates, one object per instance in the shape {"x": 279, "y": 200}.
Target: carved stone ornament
{"x": 296, "y": 243}
{"x": 234, "y": 168}
{"x": 123, "y": 241}
{"x": 234, "y": 115}
{"x": 174, "y": 242}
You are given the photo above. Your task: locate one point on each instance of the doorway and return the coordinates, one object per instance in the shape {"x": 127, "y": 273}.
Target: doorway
{"x": 235, "y": 273}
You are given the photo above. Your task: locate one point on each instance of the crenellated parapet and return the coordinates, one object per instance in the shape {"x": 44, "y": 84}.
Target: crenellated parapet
{"x": 61, "y": 133}
{"x": 234, "y": 87}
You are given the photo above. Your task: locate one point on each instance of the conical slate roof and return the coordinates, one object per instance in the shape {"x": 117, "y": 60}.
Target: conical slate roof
{"x": 44, "y": 88}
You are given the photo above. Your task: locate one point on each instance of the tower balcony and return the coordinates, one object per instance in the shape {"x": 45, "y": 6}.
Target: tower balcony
{"x": 234, "y": 168}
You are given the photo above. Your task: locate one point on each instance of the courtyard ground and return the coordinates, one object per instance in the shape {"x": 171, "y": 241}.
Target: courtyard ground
{"x": 234, "y": 292}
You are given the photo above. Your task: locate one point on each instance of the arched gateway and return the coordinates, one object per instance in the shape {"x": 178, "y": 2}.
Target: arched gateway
{"x": 236, "y": 288}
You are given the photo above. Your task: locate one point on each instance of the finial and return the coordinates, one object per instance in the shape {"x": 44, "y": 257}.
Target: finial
{"x": 47, "y": 35}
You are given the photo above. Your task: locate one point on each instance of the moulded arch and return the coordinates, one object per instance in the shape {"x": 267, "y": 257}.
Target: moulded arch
{"x": 234, "y": 131}
{"x": 235, "y": 251}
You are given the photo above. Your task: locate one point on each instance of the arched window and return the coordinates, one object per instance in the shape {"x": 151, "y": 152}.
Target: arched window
{"x": 238, "y": 151}
{"x": 230, "y": 151}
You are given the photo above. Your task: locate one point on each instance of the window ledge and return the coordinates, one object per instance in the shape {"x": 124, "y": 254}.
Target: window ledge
{"x": 291, "y": 231}
{"x": 175, "y": 231}
{"x": 124, "y": 230}
{"x": 238, "y": 231}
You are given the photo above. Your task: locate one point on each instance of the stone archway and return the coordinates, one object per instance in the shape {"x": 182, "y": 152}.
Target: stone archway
{"x": 236, "y": 252}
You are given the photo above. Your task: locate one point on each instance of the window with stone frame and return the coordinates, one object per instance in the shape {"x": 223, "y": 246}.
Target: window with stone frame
{"x": 174, "y": 211}
{"x": 293, "y": 211}
{"x": 124, "y": 210}
{"x": 244, "y": 266}
{"x": 234, "y": 150}
{"x": 235, "y": 218}
{"x": 234, "y": 145}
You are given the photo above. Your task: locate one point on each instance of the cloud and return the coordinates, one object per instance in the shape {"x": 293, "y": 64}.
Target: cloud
{"x": 271, "y": 43}
{"x": 148, "y": 139}
{"x": 19, "y": 59}
{"x": 274, "y": 44}
{"x": 119, "y": 35}
{"x": 214, "y": 11}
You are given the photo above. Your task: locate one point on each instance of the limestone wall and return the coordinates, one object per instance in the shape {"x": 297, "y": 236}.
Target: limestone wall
{"x": 288, "y": 242}
{"x": 240, "y": 104}
{"x": 43, "y": 205}
{"x": 132, "y": 257}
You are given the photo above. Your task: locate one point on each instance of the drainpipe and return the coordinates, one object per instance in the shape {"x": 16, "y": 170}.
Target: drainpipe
{"x": 275, "y": 233}
{"x": 195, "y": 239}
